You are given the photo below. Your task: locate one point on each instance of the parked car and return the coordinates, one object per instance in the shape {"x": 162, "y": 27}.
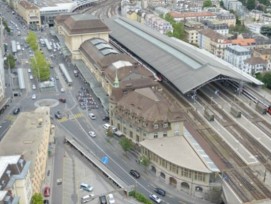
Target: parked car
{"x": 62, "y": 90}
{"x": 86, "y": 187}
{"x": 160, "y": 191}
{"x": 16, "y": 111}
{"x": 111, "y": 198}
{"x": 135, "y": 173}
{"x": 106, "y": 126}
{"x": 155, "y": 198}
{"x": 34, "y": 96}
{"x": 31, "y": 76}
{"x": 46, "y": 191}
{"x": 45, "y": 201}
{"x": 103, "y": 200}
{"x": 106, "y": 119}
{"x": 92, "y": 134}
{"x": 33, "y": 86}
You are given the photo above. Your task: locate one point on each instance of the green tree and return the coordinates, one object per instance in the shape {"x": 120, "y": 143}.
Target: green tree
{"x": 267, "y": 79}
{"x": 40, "y": 66}
{"x": 109, "y": 132}
{"x": 266, "y": 30}
{"x": 207, "y": 3}
{"x": 145, "y": 161}
{"x": 251, "y": 4}
{"x": 126, "y": 144}
{"x": 37, "y": 199}
{"x": 31, "y": 40}
{"x": 178, "y": 28}
{"x": 10, "y": 61}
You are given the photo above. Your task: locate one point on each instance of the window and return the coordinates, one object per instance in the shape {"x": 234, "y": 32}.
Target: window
{"x": 155, "y": 135}
{"x": 165, "y": 125}
{"x": 155, "y": 126}
{"x": 131, "y": 134}
{"x": 164, "y": 134}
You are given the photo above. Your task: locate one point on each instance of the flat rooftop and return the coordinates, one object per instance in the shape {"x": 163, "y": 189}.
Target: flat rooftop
{"x": 25, "y": 135}
{"x": 178, "y": 151}
{"x": 6, "y": 160}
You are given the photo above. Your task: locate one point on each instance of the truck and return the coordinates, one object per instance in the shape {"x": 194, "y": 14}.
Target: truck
{"x": 18, "y": 47}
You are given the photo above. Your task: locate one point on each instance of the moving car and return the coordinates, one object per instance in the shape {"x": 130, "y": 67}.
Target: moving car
{"x": 92, "y": 116}
{"x": 135, "y": 173}
{"x": 31, "y": 76}
{"x": 46, "y": 191}
{"x": 45, "y": 201}
{"x": 62, "y": 90}
{"x": 33, "y": 86}
{"x": 62, "y": 100}
{"x": 86, "y": 187}
{"x": 16, "y": 111}
{"x": 160, "y": 191}
{"x": 92, "y": 134}
{"x": 58, "y": 115}
{"x": 34, "y": 96}
{"x": 155, "y": 198}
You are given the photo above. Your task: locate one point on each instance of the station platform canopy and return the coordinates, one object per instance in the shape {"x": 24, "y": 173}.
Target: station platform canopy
{"x": 184, "y": 65}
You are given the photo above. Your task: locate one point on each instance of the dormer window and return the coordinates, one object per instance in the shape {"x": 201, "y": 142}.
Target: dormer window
{"x": 155, "y": 126}
{"x": 165, "y": 125}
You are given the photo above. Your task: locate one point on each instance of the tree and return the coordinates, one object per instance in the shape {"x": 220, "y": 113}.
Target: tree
{"x": 145, "y": 161}
{"x": 37, "y": 199}
{"x": 251, "y": 4}
{"x": 207, "y": 3}
{"x": 31, "y": 40}
{"x": 40, "y": 66}
{"x": 178, "y": 28}
{"x": 126, "y": 144}
{"x": 10, "y": 61}
{"x": 267, "y": 79}
{"x": 266, "y": 30}
{"x": 109, "y": 132}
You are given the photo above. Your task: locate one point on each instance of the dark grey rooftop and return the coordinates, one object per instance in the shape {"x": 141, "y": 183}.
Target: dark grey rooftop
{"x": 184, "y": 65}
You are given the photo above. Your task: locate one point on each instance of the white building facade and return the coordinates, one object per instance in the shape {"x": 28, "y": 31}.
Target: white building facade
{"x": 236, "y": 55}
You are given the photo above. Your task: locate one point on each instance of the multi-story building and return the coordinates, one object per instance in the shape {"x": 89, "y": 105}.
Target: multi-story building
{"x": 31, "y": 131}
{"x": 15, "y": 182}
{"x": 194, "y": 16}
{"x": 266, "y": 17}
{"x": 254, "y": 65}
{"x": 236, "y": 55}
{"x": 158, "y": 24}
{"x": 30, "y": 13}
{"x": 78, "y": 28}
{"x": 227, "y": 18}
{"x": 191, "y": 29}
{"x": 213, "y": 42}
{"x": 248, "y": 43}
{"x": 234, "y": 5}
{"x": 217, "y": 26}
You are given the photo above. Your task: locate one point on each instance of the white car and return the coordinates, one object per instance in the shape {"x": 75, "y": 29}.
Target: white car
{"x": 92, "y": 134}
{"x": 30, "y": 76}
{"x": 34, "y": 96}
{"x": 106, "y": 126}
{"x": 29, "y": 70}
{"x": 155, "y": 198}
{"x": 62, "y": 90}
{"x": 111, "y": 199}
{"x": 33, "y": 86}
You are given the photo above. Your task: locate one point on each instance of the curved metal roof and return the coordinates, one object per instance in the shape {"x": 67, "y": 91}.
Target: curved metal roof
{"x": 184, "y": 65}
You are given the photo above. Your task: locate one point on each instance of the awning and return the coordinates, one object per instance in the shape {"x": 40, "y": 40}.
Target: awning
{"x": 93, "y": 83}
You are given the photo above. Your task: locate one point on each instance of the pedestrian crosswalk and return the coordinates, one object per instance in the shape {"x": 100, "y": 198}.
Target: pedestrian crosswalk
{"x": 71, "y": 117}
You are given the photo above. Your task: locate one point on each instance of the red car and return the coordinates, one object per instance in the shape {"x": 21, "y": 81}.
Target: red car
{"x": 46, "y": 191}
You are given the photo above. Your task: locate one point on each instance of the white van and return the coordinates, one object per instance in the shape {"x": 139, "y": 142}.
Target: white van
{"x": 92, "y": 116}
{"x": 106, "y": 126}
{"x": 86, "y": 187}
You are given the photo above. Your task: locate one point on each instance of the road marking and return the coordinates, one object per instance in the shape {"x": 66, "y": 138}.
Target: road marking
{"x": 74, "y": 116}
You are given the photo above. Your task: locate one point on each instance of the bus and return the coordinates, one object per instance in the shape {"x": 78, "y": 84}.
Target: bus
{"x": 13, "y": 46}
{"x": 49, "y": 47}
{"x": 65, "y": 73}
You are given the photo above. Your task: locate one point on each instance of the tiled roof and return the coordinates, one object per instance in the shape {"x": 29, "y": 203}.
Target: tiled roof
{"x": 27, "y": 5}
{"x": 84, "y": 23}
{"x": 243, "y": 42}
{"x": 175, "y": 14}
{"x": 262, "y": 51}
{"x": 255, "y": 60}
{"x": 212, "y": 34}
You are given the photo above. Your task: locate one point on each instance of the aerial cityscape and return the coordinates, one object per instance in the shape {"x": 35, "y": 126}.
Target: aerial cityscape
{"x": 135, "y": 101}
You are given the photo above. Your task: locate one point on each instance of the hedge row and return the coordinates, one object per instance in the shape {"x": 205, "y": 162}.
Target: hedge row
{"x": 140, "y": 197}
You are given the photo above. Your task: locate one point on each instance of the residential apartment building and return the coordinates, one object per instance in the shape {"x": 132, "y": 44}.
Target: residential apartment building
{"x": 256, "y": 15}
{"x": 191, "y": 29}
{"x": 234, "y": 5}
{"x": 194, "y": 16}
{"x": 227, "y": 18}
{"x": 254, "y": 65}
{"x": 217, "y": 26}
{"x": 31, "y": 131}
{"x": 15, "y": 180}
{"x": 236, "y": 55}
{"x": 30, "y": 13}
{"x": 158, "y": 24}
{"x": 77, "y": 28}
{"x": 213, "y": 42}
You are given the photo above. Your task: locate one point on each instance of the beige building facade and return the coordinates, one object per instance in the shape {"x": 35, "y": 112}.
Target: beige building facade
{"x": 31, "y": 131}
{"x": 78, "y": 28}
{"x": 30, "y": 13}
